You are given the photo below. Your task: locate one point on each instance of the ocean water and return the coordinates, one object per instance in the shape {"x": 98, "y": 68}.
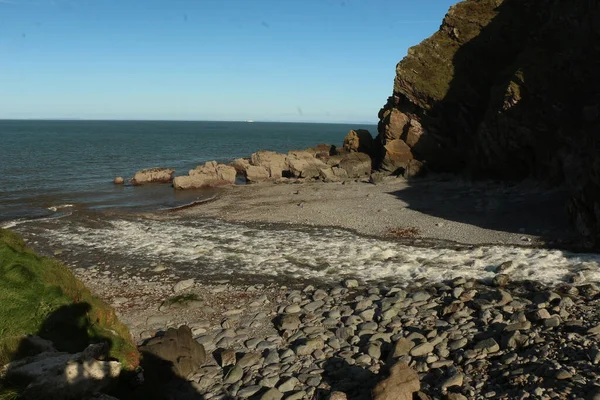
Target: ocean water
{"x": 53, "y": 166}
{"x": 56, "y": 190}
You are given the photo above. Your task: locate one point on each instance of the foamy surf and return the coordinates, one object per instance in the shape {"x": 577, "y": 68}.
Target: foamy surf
{"x": 208, "y": 247}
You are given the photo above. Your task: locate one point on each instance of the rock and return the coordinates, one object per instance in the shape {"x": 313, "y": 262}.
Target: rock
{"x": 228, "y": 358}
{"x": 402, "y": 347}
{"x": 183, "y": 285}
{"x": 54, "y": 375}
{"x": 153, "y": 175}
{"x": 274, "y": 163}
{"x": 563, "y": 374}
{"x": 353, "y": 283}
{"x": 421, "y": 350}
{"x": 487, "y": 346}
{"x": 178, "y": 348}
{"x": 414, "y": 169}
{"x": 289, "y": 322}
{"x": 288, "y": 385}
{"x": 359, "y": 140}
{"x": 272, "y": 394}
{"x": 501, "y": 280}
{"x": 356, "y": 165}
{"x": 454, "y": 380}
{"x": 248, "y": 360}
{"x": 310, "y": 346}
{"x": 210, "y": 174}
{"x": 240, "y": 165}
{"x": 303, "y": 165}
{"x": 338, "y": 396}
{"x": 119, "y": 180}
{"x": 397, "y": 156}
{"x": 400, "y": 385}
{"x": 234, "y": 375}
{"x": 493, "y": 129}
{"x": 248, "y": 391}
{"x": 328, "y": 175}
{"x": 257, "y": 174}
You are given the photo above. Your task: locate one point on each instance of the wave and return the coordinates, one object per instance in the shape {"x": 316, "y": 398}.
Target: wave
{"x": 210, "y": 247}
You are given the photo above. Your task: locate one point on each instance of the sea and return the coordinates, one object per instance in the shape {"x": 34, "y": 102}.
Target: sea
{"x": 56, "y": 190}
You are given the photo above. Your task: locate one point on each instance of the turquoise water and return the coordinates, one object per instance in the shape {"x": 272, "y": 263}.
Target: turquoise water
{"x": 48, "y": 164}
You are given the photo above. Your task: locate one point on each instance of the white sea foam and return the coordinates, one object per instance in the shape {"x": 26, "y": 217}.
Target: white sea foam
{"x": 212, "y": 247}
{"x": 56, "y": 208}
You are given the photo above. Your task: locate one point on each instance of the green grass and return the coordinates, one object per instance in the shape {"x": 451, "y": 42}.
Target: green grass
{"x": 40, "y": 296}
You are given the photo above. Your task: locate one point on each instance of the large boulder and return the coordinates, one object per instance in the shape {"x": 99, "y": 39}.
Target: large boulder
{"x": 211, "y": 174}
{"x": 400, "y": 385}
{"x": 176, "y": 351}
{"x": 257, "y": 173}
{"x": 274, "y": 163}
{"x": 153, "y": 175}
{"x": 356, "y": 165}
{"x": 303, "y": 164}
{"x": 397, "y": 156}
{"x": 322, "y": 151}
{"x": 358, "y": 140}
{"x": 57, "y": 375}
{"x": 240, "y": 165}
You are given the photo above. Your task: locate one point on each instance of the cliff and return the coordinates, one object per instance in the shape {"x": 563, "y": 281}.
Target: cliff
{"x": 505, "y": 89}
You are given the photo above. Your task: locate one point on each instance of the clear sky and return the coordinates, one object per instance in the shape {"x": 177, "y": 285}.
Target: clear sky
{"x": 265, "y": 60}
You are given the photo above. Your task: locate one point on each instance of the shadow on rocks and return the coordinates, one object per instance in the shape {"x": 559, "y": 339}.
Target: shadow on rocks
{"x": 353, "y": 380}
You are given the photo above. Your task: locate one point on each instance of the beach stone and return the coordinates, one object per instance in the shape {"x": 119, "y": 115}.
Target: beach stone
{"x": 402, "y": 347}
{"x": 454, "y": 380}
{"x": 272, "y": 394}
{"x": 248, "y": 360}
{"x": 119, "y": 180}
{"x": 227, "y": 357}
{"x": 177, "y": 347}
{"x": 289, "y": 322}
{"x": 420, "y": 296}
{"x": 487, "y": 345}
{"x": 310, "y": 346}
{"x": 269, "y": 381}
{"x": 338, "y": 396}
{"x": 297, "y": 395}
{"x": 313, "y": 306}
{"x": 350, "y": 283}
{"x": 288, "y": 385}
{"x": 293, "y": 309}
{"x": 248, "y": 391}
{"x": 400, "y": 385}
{"x": 234, "y": 375}
{"x": 183, "y": 285}
{"x": 421, "y": 350}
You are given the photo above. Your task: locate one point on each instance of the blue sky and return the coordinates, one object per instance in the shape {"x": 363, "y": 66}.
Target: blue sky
{"x": 267, "y": 60}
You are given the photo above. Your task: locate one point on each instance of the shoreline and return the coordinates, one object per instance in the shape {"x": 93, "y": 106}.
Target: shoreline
{"x": 439, "y": 208}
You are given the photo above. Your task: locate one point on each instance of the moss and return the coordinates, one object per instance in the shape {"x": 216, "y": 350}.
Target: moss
{"x": 40, "y": 296}
{"x": 181, "y": 299}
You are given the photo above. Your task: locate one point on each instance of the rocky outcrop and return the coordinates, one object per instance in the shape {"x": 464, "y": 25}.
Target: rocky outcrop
{"x": 322, "y": 162}
{"x": 153, "y": 175}
{"x": 57, "y": 375}
{"x": 358, "y": 140}
{"x": 500, "y": 91}
{"x": 273, "y": 163}
{"x": 303, "y": 164}
{"x": 176, "y": 351}
{"x": 210, "y": 174}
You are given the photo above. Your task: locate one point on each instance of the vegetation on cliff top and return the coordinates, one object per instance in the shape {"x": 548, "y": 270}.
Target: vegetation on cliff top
{"x": 40, "y": 296}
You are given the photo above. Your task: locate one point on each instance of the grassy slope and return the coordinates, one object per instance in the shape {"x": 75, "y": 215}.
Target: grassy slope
{"x": 38, "y": 296}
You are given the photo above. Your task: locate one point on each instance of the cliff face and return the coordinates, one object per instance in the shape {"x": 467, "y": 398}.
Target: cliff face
{"x": 505, "y": 89}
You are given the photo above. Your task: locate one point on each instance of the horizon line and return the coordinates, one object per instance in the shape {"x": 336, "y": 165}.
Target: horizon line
{"x": 187, "y": 120}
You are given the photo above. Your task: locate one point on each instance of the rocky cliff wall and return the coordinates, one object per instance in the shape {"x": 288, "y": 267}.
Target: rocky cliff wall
{"x": 505, "y": 89}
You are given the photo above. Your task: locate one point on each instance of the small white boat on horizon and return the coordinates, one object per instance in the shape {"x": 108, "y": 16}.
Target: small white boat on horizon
{"x": 250, "y": 121}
